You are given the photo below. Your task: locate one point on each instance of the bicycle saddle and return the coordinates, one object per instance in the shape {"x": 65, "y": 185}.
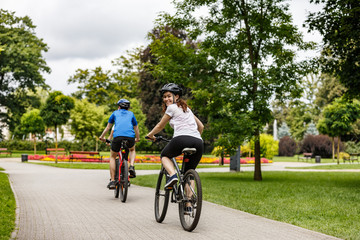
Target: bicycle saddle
{"x": 189, "y": 150}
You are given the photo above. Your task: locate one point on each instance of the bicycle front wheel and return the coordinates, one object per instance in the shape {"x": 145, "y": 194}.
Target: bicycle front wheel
{"x": 161, "y": 197}
{"x": 190, "y": 206}
{"x": 124, "y": 180}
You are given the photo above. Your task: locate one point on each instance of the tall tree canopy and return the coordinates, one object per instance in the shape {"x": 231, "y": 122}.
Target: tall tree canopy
{"x": 21, "y": 63}
{"x": 338, "y": 23}
{"x": 32, "y": 122}
{"x": 246, "y": 58}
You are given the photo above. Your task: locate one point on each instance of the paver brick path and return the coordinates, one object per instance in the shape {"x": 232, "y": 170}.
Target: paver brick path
{"x": 57, "y": 203}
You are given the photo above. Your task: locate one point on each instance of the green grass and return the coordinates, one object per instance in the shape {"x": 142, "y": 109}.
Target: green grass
{"x": 295, "y": 159}
{"x": 330, "y": 167}
{"x": 324, "y": 202}
{"x": 8, "y": 207}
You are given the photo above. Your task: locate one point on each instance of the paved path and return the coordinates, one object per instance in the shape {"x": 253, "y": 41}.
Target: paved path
{"x": 57, "y": 203}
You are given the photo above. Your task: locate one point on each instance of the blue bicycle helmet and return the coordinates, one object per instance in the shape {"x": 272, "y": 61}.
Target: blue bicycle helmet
{"x": 124, "y": 103}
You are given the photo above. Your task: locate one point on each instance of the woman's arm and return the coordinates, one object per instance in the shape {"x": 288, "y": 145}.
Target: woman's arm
{"x": 199, "y": 124}
{"x": 160, "y": 126}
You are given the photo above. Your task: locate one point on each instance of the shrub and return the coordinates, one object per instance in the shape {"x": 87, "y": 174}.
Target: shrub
{"x": 287, "y": 146}
{"x": 319, "y": 145}
{"x": 268, "y": 147}
{"x": 352, "y": 147}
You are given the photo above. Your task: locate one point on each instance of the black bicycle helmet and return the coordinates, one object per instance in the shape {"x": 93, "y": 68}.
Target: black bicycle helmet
{"x": 171, "y": 87}
{"x": 124, "y": 103}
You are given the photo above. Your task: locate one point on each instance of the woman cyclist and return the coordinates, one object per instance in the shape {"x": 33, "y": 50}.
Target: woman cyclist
{"x": 187, "y": 131}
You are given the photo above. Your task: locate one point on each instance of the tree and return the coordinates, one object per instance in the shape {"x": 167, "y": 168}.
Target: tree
{"x": 338, "y": 118}
{"x": 21, "y": 63}
{"x": 32, "y": 122}
{"x": 312, "y": 130}
{"x": 246, "y": 58}
{"x": 86, "y": 120}
{"x": 283, "y": 130}
{"x": 56, "y": 111}
{"x": 338, "y": 23}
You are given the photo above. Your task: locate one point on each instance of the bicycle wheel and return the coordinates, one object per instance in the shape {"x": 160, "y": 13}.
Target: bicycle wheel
{"x": 193, "y": 199}
{"x": 124, "y": 180}
{"x": 161, "y": 197}
{"x": 116, "y": 190}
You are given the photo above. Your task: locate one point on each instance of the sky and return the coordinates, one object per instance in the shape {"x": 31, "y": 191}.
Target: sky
{"x": 89, "y": 33}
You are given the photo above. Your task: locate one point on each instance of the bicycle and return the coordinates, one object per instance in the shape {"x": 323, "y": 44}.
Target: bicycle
{"x": 122, "y": 177}
{"x": 186, "y": 192}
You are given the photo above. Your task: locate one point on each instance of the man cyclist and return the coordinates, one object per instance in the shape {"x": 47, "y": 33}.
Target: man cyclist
{"x": 126, "y": 128}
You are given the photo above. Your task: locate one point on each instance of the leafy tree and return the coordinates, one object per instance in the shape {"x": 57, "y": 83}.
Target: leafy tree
{"x": 56, "y": 111}
{"x": 338, "y": 118}
{"x": 86, "y": 120}
{"x": 283, "y": 130}
{"x": 32, "y": 122}
{"x": 330, "y": 88}
{"x": 246, "y": 58}
{"x": 312, "y": 130}
{"x": 21, "y": 63}
{"x": 104, "y": 87}
{"x": 338, "y": 23}
{"x": 298, "y": 118}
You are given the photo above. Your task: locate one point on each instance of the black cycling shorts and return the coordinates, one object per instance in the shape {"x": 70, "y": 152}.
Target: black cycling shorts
{"x": 116, "y": 143}
{"x": 176, "y": 145}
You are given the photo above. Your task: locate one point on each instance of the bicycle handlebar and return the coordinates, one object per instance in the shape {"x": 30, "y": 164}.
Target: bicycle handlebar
{"x": 158, "y": 139}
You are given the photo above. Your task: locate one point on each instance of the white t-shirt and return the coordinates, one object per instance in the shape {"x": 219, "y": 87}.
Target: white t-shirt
{"x": 182, "y": 122}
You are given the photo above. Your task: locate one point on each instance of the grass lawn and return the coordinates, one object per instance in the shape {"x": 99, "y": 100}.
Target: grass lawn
{"x": 7, "y": 209}
{"x": 331, "y": 167}
{"x": 327, "y": 202}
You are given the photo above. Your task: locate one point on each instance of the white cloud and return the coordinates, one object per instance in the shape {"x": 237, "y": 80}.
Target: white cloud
{"x": 90, "y": 33}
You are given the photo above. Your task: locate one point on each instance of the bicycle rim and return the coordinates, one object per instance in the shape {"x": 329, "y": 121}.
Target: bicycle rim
{"x": 193, "y": 198}
{"x": 124, "y": 180}
{"x": 161, "y": 197}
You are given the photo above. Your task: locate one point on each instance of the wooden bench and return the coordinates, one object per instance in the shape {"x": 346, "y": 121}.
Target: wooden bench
{"x": 88, "y": 155}
{"x": 306, "y": 156}
{"x": 5, "y": 151}
{"x": 352, "y": 158}
{"x": 53, "y": 151}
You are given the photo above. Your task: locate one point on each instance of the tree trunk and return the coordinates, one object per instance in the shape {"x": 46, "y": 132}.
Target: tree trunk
{"x": 34, "y": 136}
{"x": 333, "y": 148}
{"x": 338, "y": 151}
{"x": 257, "y": 173}
{"x": 56, "y": 145}
{"x": 221, "y": 162}
{"x": 82, "y": 144}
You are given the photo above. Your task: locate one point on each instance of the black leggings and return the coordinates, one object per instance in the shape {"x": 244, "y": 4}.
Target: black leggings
{"x": 176, "y": 145}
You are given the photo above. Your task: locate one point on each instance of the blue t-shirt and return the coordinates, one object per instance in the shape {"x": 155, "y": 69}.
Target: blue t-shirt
{"x": 124, "y": 123}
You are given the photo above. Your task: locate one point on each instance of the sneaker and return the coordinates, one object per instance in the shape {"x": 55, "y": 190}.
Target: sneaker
{"x": 111, "y": 185}
{"x": 188, "y": 210}
{"x": 171, "y": 181}
{"x": 132, "y": 172}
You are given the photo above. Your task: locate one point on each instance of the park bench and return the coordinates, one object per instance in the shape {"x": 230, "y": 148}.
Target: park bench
{"x": 351, "y": 158}
{"x": 5, "y": 151}
{"x": 88, "y": 155}
{"x": 306, "y": 156}
{"x": 53, "y": 151}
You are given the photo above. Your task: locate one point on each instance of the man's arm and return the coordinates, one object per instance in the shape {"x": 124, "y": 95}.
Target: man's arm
{"x": 137, "y": 133}
{"x": 108, "y": 127}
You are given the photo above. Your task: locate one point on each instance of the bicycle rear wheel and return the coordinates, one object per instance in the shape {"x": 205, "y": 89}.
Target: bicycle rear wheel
{"x": 116, "y": 190}
{"x": 124, "y": 180}
{"x": 161, "y": 197}
{"x": 193, "y": 199}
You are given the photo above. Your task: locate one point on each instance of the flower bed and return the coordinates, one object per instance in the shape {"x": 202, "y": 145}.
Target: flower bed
{"x": 141, "y": 159}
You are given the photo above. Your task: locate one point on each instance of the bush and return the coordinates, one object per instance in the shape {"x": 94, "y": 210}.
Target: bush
{"x": 352, "y": 147}
{"x": 287, "y": 146}
{"x": 268, "y": 147}
{"x": 319, "y": 145}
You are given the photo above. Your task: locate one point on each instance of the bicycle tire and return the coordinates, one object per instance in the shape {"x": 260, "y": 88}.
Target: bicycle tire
{"x": 124, "y": 180}
{"x": 117, "y": 188}
{"x": 190, "y": 221}
{"x": 161, "y": 197}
